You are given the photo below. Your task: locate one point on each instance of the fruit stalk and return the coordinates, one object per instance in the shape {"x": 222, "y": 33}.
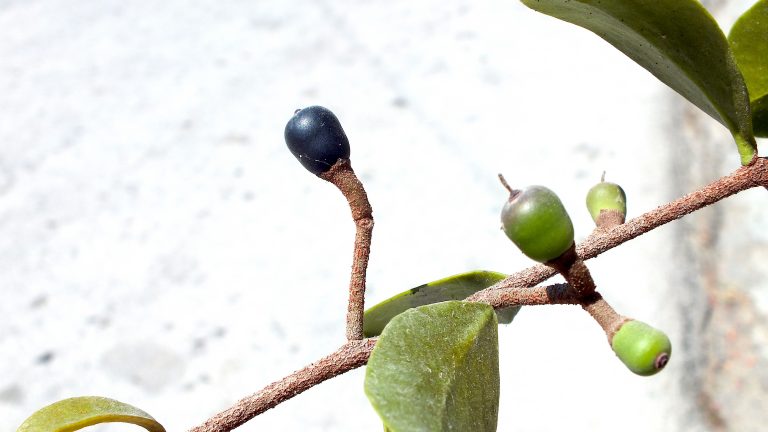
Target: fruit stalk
{"x": 609, "y": 218}
{"x": 555, "y": 294}
{"x": 574, "y": 271}
{"x": 351, "y": 355}
{"x": 343, "y": 177}
{"x": 354, "y": 354}
{"x": 603, "y": 313}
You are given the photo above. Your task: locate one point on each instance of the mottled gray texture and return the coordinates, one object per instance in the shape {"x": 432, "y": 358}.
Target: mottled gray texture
{"x": 151, "y": 216}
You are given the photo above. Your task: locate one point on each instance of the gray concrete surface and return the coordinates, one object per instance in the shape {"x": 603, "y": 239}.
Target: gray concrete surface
{"x": 159, "y": 245}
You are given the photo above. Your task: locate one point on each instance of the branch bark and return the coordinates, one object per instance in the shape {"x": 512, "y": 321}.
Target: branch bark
{"x": 511, "y": 291}
{"x": 351, "y": 355}
{"x": 746, "y": 177}
{"x": 343, "y": 177}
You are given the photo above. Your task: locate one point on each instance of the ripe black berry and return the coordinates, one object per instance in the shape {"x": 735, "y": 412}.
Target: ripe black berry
{"x": 314, "y": 135}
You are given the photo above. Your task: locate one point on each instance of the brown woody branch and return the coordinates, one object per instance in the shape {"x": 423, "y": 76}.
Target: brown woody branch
{"x": 746, "y": 177}
{"x": 523, "y": 296}
{"x": 343, "y": 176}
{"x": 351, "y": 355}
{"x": 508, "y": 292}
{"x": 603, "y": 313}
{"x": 574, "y": 271}
{"x": 608, "y": 219}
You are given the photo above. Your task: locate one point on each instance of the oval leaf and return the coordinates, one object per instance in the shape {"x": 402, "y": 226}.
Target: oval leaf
{"x": 749, "y": 42}
{"x": 76, "y": 413}
{"x": 680, "y": 43}
{"x": 457, "y": 287}
{"x": 436, "y": 368}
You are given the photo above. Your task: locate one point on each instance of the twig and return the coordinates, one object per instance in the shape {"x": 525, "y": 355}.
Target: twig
{"x": 744, "y": 178}
{"x": 351, "y": 355}
{"x": 343, "y": 176}
{"x": 608, "y": 219}
{"x": 604, "y": 314}
{"x": 600, "y": 241}
{"x": 574, "y": 271}
{"x": 356, "y": 353}
{"x": 508, "y": 292}
{"x": 524, "y": 296}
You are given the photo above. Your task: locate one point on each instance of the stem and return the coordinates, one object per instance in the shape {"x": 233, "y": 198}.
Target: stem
{"x": 600, "y": 241}
{"x": 608, "y": 219}
{"x": 604, "y": 314}
{"x": 743, "y": 178}
{"x": 517, "y": 296}
{"x": 351, "y": 355}
{"x": 343, "y": 176}
{"x": 574, "y": 271}
{"x": 512, "y": 192}
{"x": 507, "y": 292}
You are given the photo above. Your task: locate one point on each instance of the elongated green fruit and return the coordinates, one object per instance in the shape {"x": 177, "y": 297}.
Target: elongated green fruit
{"x": 642, "y": 348}
{"x": 606, "y": 196}
{"x": 536, "y": 221}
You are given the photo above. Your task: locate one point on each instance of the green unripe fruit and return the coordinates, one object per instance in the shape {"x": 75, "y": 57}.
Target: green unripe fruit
{"x": 606, "y": 196}
{"x": 536, "y": 221}
{"x": 642, "y": 348}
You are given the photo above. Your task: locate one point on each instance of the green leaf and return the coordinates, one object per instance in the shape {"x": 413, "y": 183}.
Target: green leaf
{"x": 680, "y": 43}
{"x": 76, "y": 413}
{"x": 436, "y": 368}
{"x": 749, "y": 42}
{"x": 457, "y": 287}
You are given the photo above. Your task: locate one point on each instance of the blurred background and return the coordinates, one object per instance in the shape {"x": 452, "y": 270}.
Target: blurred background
{"x": 159, "y": 245}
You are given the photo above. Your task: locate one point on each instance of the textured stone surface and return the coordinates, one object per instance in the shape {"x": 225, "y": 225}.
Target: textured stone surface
{"x": 159, "y": 244}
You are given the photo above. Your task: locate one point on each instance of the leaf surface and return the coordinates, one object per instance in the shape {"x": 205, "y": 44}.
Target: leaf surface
{"x": 457, "y": 287}
{"x": 680, "y": 43}
{"x": 436, "y": 368}
{"x": 76, "y": 413}
{"x": 749, "y": 42}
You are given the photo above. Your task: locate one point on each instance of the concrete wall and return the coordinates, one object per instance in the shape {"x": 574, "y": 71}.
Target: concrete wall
{"x": 159, "y": 244}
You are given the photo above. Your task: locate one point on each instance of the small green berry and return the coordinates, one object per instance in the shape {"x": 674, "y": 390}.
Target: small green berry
{"x": 642, "y": 348}
{"x": 536, "y": 221}
{"x": 606, "y": 196}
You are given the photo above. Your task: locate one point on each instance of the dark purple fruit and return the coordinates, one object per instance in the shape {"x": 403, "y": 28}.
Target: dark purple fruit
{"x": 314, "y": 135}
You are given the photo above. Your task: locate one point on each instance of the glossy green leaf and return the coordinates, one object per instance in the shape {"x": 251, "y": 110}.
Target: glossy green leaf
{"x": 456, "y": 287}
{"x": 76, "y": 413}
{"x": 436, "y": 368}
{"x": 680, "y": 43}
{"x": 749, "y": 42}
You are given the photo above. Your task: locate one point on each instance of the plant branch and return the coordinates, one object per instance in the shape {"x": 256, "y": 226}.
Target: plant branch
{"x": 343, "y": 176}
{"x": 604, "y": 314}
{"x": 351, "y": 355}
{"x": 746, "y": 177}
{"x": 608, "y": 219}
{"x": 354, "y": 354}
{"x": 574, "y": 271}
{"x": 742, "y": 179}
{"x": 524, "y": 296}
{"x": 511, "y": 291}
